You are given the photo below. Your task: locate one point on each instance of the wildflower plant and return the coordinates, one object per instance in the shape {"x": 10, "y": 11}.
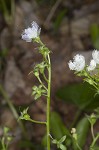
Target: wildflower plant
{"x": 43, "y": 69}
{"x": 91, "y": 75}
{"x": 89, "y": 72}
{"x": 32, "y": 34}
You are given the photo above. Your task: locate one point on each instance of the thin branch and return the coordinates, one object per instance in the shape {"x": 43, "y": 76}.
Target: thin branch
{"x": 45, "y": 78}
{"x": 35, "y": 121}
{"x": 42, "y": 83}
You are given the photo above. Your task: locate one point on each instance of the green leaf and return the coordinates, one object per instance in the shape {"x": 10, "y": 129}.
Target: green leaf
{"x": 38, "y": 91}
{"x": 34, "y": 87}
{"x": 62, "y": 147}
{"x": 62, "y": 139}
{"x": 96, "y": 147}
{"x": 82, "y": 129}
{"x": 57, "y": 126}
{"x": 94, "y": 31}
{"x": 82, "y": 95}
{"x": 59, "y": 143}
{"x": 37, "y": 96}
{"x": 54, "y": 141}
{"x": 59, "y": 18}
{"x": 58, "y": 129}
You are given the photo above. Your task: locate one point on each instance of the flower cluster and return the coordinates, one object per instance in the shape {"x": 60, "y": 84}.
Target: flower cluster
{"x": 78, "y": 63}
{"x": 92, "y": 65}
{"x": 31, "y": 32}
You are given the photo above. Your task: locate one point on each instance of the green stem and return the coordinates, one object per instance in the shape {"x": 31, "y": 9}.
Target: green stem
{"x": 78, "y": 146}
{"x": 94, "y": 83}
{"x": 45, "y": 78}
{"x": 92, "y": 132}
{"x": 3, "y": 144}
{"x": 48, "y": 104}
{"x": 40, "y": 42}
{"x": 35, "y": 121}
{"x": 94, "y": 141}
{"x": 12, "y": 109}
{"x": 48, "y": 98}
{"x": 42, "y": 83}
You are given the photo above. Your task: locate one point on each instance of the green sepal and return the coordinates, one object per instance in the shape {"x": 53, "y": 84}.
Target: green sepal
{"x": 59, "y": 143}
{"x": 44, "y": 51}
{"x": 25, "y": 115}
{"x": 39, "y": 68}
{"x": 38, "y": 91}
{"x": 92, "y": 118}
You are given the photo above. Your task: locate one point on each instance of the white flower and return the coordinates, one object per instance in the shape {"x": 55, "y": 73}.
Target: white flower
{"x": 95, "y": 55}
{"x": 31, "y": 32}
{"x": 71, "y": 65}
{"x": 92, "y": 65}
{"x": 78, "y": 63}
